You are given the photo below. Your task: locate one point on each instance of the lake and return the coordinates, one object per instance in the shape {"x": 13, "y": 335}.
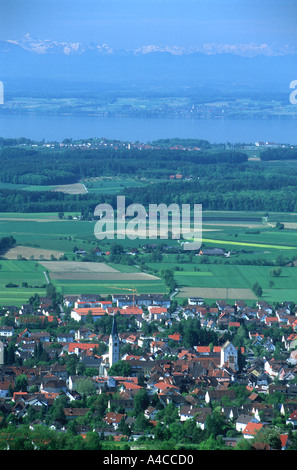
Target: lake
{"x": 58, "y": 128}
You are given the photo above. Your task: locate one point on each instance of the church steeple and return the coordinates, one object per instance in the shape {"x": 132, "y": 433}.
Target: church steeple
{"x": 114, "y": 328}
{"x": 114, "y": 344}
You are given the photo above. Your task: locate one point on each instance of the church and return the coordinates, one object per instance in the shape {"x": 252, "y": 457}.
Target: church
{"x": 113, "y": 355}
{"x": 114, "y": 344}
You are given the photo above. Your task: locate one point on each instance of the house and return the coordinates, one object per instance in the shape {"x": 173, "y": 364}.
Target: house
{"x": 292, "y": 419}
{"x": 212, "y": 252}
{"x": 5, "y": 388}
{"x": 195, "y": 301}
{"x": 157, "y": 346}
{"x": 125, "y": 400}
{"x": 217, "y": 395}
{"x": 97, "y": 251}
{"x": 231, "y": 412}
{"x": 175, "y": 337}
{"x": 264, "y": 413}
{"x": 80, "y": 252}
{"x": 69, "y": 300}
{"x": 157, "y": 313}
{"x": 130, "y": 386}
{"x": 73, "y": 413}
{"x": 293, "y": 357}
{"x": 78, "y": 348}
{"x": 251, "y": 430}
{"x": 258, "y": 379}
{"x": 42, "y": 336}
{"x": 161, "y": 387}
{"x": 201, "y": 417}
{"x": 24, "y": 402}
{"x": 81, "y": 314}
{"x": 82, "y": 334}
{"x": 270, "y": 321}
{"x": 188, "y": 412}
{"x": 290, "y": 341}
{"x": 131, "y": 311}
{"x": 51, "y": 383}
{"x": 6, "y": 331}
{"x": 284, "y": 440}
{"x": 150, "y": 413}
{"x": 273, "y": 367}
{"x": 268, "y": 345}
{"x": 113, "y": 419}
{"x": 255, "y": 398}
{"x": 242, "y": 421}
{"x": 65, "y": 337}
{"x": 172, "y": 396}
{"x": 257, "y": 339}
{"x": 91, "y": 361}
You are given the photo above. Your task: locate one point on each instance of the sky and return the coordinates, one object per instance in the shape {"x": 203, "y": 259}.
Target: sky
{"x": 135, "y": 23}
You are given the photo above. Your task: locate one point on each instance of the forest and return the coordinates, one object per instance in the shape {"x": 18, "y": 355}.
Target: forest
{"x": 219, "y": 179}
{"x": 46, "y": 167}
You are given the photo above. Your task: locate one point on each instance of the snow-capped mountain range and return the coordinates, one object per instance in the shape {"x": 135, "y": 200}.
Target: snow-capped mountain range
{"x": 244, "y": 65}
{"x": 45, "y": 46}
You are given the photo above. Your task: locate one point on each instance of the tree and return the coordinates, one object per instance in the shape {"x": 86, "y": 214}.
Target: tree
{"x": 93, "y": 441}
{"x": 21, "y": 383}
{"x": 85, "y": 386}
{"x": 71, "y": 365}
{"x": 170, "y": 414}
{"x": 240, "y": 336}
{"x": 10, "y": 357}
{"x": 257, "y": 289}
{"x": 212, "y": 443}
{"x": 276, "y": 272}
{"x": 141, "y": 423}
{"x": 269, "y": 436}
{"x": 39, "y": 353}
{"x": 121, "y": 368}
{"x": 57, "y": 413}
{"x": 168, "y": 277}
{"x": 141, "y": 401}
{"x": 216, "y": 424}
{"x": 243, "y": 444}
{"x": 279, "y": 226}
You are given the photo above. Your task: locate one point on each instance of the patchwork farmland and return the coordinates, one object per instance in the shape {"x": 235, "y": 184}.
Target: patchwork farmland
{"x": 77, "y": 277}
{"x": 255, "y": 246}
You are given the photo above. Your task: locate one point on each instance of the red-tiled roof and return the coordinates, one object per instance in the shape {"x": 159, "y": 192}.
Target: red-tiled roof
{"x": 252, "y": 428}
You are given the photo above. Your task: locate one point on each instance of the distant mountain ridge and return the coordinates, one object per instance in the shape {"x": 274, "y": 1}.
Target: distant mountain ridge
{"x": 242, "y": 65}
{"x": 45, "y": 46}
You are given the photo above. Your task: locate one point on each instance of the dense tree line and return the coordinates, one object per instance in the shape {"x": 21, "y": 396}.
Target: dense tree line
{"x": 218, "y": 197}
{"x": 46, "y": 167}
{"x": 217, "y": 179}
{"x": 170, "y": 142}
{"x": 9, "y": 142}
{"x": 280, "y": 153}
{"x": 45, "y": 201}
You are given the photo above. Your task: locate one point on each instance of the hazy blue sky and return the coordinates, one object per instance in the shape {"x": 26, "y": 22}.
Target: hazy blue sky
{"x": 134, "y": 23}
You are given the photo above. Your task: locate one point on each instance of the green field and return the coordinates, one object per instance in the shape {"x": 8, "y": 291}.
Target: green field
{"x": 18, "y": 272}
{"x": 114, "y": 185}
{"x": 242, "y": 233}
{"x": 247, "y": 244}
{"x": 49, "y": 232}
{"x": 240, "y": 277}
{"x": 67, "y": 287}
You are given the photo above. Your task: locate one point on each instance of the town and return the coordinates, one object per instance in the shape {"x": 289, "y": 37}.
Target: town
{"x": 142, "y": 371}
